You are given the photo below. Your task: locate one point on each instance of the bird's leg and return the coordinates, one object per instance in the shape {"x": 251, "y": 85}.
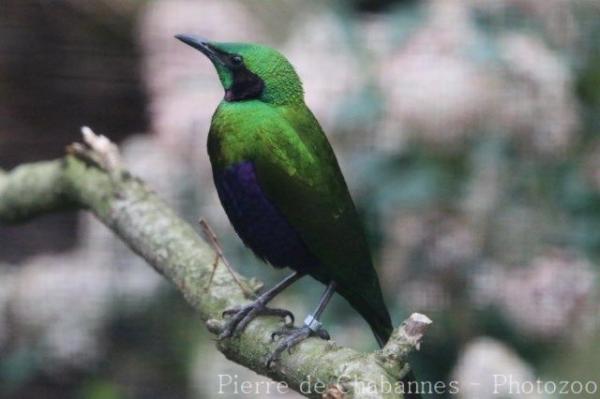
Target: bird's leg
{"x": 243, "y": 315}
{"x": 292, "y": 336}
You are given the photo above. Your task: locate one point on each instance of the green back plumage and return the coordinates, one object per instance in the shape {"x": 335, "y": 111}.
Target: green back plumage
{"x": 298, "y": 171}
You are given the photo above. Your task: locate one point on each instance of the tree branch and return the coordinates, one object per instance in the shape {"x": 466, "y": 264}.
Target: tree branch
{"x": 152, "y": 230}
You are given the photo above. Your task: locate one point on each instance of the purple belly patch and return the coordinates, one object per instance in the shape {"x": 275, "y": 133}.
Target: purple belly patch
{"x": 258, "y": 222}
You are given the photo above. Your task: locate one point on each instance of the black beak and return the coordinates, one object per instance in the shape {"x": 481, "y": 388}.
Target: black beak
{"x": 201, "y": 44}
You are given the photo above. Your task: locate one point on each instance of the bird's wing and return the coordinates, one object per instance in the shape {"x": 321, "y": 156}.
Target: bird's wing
{"x": 300, "y": 174}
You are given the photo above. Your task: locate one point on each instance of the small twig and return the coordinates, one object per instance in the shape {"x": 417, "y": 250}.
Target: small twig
{"x": 214, "y": 242}
{"x": 97, "y": 150}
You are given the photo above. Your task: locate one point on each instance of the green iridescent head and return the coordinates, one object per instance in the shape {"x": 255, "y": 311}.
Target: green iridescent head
{"x": 251, "y": 71}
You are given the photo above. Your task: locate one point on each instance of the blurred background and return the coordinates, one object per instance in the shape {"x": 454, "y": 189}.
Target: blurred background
{"x": 468, "y": 133}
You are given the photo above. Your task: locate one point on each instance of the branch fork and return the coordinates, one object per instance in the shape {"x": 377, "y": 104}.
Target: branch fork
{"x": 97, "y": 150}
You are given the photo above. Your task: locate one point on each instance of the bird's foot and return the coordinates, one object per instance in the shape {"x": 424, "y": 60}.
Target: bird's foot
{"x": 241, "y": 316}
{"x": 292, "y": 336}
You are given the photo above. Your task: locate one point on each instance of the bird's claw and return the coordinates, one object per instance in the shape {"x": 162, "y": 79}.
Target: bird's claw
{"x": 241, "y": 316}
{"x": 293, "y": 336}
{"x": 231, "y": 311}
{"x": 286, "y": 315}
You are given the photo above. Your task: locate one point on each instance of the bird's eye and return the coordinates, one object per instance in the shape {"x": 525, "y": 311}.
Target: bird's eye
{"x": 236, "y": 60}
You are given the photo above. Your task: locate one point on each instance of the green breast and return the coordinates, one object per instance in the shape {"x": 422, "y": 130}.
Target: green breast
{"x": 252, "y": 130}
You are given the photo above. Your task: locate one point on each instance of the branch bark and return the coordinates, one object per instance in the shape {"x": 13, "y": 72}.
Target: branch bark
{"x": 150, "y": 228}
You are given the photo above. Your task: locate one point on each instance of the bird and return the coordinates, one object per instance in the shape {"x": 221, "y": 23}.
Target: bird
{"x": 281, "y": 186}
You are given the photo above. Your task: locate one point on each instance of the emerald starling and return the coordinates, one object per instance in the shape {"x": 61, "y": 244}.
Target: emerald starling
{"x": 282, "y": 188}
